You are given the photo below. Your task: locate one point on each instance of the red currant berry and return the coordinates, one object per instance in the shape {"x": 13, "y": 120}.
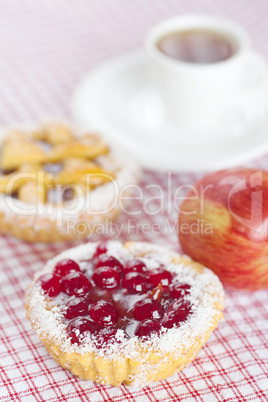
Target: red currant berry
{"x": 80, "y": 327}
{"x": 106, "y": 278}
{"x": 179, "y": 290}
{"x": 51, "y": 284}
{"x": 65, "y": 266}
{"x": 147, "y": 327}
{"x": 135, "y": 282}
{"x": 75, "y": 284}
{"x": 182, "y": 307}
{"x": 106, "y": 336}
{"x": 160, "y": 275}
{"x": 147, "y": 309}
{"x": 103, "y": 313}
{"x": 135, "y": 266}
{"x": 178, "y": 312}
{"x": 170, "y": 319}
{"x": 100, "y": 249}
{"x": 75, "y": 308}
{"x": 109, "y": 261}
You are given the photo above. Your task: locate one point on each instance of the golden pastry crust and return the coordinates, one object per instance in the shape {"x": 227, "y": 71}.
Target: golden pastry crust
{"x": 58, "y": 183}
{"x": 135, "y": 362}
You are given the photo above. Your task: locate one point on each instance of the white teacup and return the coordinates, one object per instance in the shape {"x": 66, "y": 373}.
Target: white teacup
{"x": 197, "y": 94}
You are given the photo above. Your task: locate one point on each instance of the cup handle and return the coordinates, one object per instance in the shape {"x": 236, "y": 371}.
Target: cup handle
{"x": 255, "y": 76}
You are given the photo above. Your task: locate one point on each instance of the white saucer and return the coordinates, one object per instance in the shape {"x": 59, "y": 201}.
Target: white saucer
{"x": 119, "y": 100}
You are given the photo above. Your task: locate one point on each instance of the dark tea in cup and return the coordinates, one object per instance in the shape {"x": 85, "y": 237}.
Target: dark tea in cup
{"x": 198, "y": 46}
{"x": 198, "y": 65}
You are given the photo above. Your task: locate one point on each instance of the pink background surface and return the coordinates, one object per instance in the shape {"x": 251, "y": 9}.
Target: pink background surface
{"x": 46, "y": 47}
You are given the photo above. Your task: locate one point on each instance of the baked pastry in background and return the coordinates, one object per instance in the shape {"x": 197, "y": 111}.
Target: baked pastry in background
{"x": 57, "y": 183}
{"x": 130, "y": 313}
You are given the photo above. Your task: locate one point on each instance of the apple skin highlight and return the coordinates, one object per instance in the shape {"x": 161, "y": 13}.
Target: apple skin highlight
{"x": 223, "y": 224}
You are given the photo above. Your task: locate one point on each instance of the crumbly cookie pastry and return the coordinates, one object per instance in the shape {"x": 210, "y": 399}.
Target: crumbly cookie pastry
{"x": 130, "y": 313}
{"x": 58, "y": 183}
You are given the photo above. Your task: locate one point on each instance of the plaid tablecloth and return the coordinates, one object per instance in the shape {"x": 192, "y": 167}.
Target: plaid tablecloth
{"x": 45, "y": 48}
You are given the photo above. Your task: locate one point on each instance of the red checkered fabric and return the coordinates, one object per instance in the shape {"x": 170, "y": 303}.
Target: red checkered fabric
{"x": 45, "y": 48}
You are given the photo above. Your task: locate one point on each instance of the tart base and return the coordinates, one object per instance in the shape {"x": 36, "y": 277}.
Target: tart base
{"x": 127, "y": 371}
{"x": 36, "y": 228}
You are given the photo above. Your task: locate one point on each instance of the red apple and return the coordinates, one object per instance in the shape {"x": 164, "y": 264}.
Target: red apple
{"x": 223, "y": 224}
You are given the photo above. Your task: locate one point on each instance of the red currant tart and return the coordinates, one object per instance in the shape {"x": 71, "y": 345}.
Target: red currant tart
{"x": 128, "y": 313}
